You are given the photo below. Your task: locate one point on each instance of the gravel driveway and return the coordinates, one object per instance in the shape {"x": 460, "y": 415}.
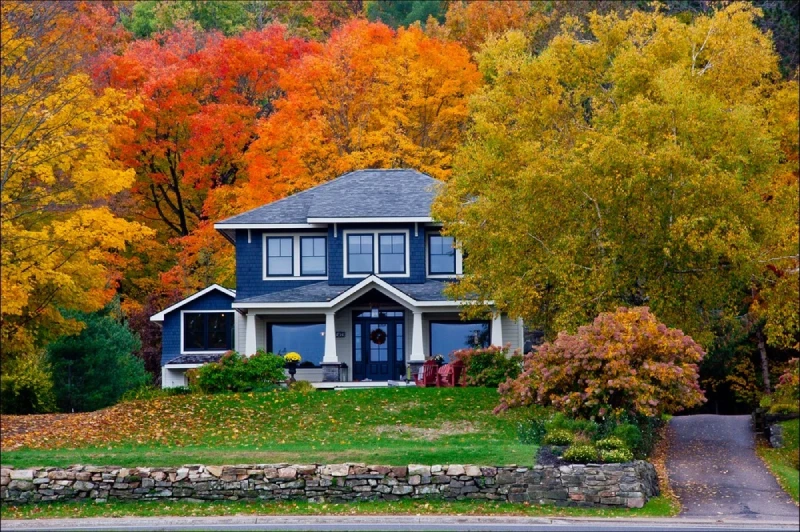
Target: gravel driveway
{"x": 714, "y": 470}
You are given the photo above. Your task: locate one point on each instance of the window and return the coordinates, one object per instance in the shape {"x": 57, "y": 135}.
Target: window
{"x": 207, "y": 331}
{"x": 392, "y": 256}
{"x": 279, "y": 256}
{"x": 313, "y": 255}
{"x": 441, "y": 254}
{"x": 308, "y": 339}
{"x": 359, "y": 254}
{"x": 448, "y": 336}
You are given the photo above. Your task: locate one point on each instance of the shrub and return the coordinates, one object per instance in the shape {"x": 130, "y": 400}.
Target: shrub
{"x": 303, "y": 387}
{"x": 531, "y": 431}
{"x": 149, "y": 392}
{"x": 489, "y": 366}
{"x": 787, "y": 391}
{"x": 238, "y": 373}
{"x": 624, "y": 362}
{"x": 616, "y": 456}
{"x": 26, "y": 385}
{"x": 784, "y": 408}
{"x": 559, "y": 437}
{"x": 93, "y": 369}
{"x": 610, "y": 444}
{"x": 581, "y": 454}
{"x": 586, "y": 427}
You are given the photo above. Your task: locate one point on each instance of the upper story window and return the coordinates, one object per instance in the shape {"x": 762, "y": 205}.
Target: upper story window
{"x": 313, "y": 255}
{"x": 280, "y": 256}
{"x": 392, "y": 256}
{"x": 441, "y": 255}
{"x": 207, "y": 331}
{"x": 359, "y": 254}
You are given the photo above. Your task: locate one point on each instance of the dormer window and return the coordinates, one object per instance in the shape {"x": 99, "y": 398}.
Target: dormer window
{"x": 441, "y": 255}
{"x": 359, "y": 254}
{"x": 280, "y": 253}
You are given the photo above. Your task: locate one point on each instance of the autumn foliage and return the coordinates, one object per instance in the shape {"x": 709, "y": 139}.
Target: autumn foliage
{"x": 625, "y": 362}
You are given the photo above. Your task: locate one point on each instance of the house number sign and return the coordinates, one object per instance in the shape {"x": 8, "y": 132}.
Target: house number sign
{"x": 339, "y": 334}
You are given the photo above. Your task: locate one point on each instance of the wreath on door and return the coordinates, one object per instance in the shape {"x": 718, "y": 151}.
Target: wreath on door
{"x": 378, "y": 336}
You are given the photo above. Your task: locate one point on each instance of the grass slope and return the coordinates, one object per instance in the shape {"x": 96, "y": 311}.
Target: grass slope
{"x": 782, "y": 462}
{"x": 378, "y": 426}
{"x": 656, "y": 507}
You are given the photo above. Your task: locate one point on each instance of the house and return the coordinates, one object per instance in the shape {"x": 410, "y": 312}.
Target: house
{"x": 350, "y": 274}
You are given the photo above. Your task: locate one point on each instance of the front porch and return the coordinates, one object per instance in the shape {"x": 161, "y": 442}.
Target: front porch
{"x": 372, "y": 333}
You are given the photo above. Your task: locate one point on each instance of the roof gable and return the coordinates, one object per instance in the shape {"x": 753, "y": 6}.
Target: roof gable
{"x": 161, "y": 315}
{"x": 383, "y": 194}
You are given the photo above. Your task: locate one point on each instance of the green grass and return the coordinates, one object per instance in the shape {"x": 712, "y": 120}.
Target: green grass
{"x": 780, "y": 461}
{"x": 656, "y": 507}
{"x": 392, "y": 426}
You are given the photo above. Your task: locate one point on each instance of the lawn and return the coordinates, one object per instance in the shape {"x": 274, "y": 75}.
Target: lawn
{"x": 393, "y": 426}
{"x": 656, "y": 507}
{"x": 783, "y": 462}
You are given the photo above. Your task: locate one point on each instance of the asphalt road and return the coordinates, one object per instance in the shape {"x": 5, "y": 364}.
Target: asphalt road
{"x": 395, "y": 523}
{"x": 714, "y": 470}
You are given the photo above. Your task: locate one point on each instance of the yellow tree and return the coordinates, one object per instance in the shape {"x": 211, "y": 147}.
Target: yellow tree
{"x": 59, "y": 236}
{"x": 650, "y": 164}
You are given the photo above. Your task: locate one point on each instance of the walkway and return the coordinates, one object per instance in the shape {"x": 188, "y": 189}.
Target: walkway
{"x": 714, "y": 470}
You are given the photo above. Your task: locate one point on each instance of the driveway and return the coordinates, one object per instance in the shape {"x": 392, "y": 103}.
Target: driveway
{"x": 714, "y": 470}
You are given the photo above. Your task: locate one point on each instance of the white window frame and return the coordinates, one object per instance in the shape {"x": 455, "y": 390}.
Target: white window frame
{"x": 233, "y": 334}
{"x": 295, "y": 258}
{"x": 376, "y": 252}
{"x": 459, "y": 261}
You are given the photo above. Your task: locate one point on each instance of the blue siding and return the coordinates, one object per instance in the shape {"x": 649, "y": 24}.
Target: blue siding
{"x": 171, "y": 329}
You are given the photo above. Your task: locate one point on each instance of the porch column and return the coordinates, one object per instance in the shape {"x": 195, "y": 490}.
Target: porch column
{"x": 497, "y": 330}
{"x": 417, "y": 346}
{"x": 250, "y": 334}
{"x": 332, "y": 369}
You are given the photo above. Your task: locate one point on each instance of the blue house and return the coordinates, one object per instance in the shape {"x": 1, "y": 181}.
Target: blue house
{"x": 350, "y": 274}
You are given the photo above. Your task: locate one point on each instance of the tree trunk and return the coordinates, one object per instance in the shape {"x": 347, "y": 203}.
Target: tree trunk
{"x": 762, "y": 349}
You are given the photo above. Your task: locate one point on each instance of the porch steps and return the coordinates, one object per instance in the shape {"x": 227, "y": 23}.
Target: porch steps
{"x": 339, "y": 386}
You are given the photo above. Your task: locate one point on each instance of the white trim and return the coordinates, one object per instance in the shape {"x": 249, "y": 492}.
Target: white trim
{"x": 295, "y": 257}
{"x": 182, "y": 366}
{"x": 269, "y": 226}
{"x": 218, "y": 352}
{"x": 160, "y": 316}
{"x": 375, "y": 219}
{"x": 376, "y": 252}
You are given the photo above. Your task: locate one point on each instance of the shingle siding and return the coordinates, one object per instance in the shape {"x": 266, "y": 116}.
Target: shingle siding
{"x": 171, "y": 331}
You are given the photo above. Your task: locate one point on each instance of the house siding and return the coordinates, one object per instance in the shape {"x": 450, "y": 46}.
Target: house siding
{"x": 512, "y": 332}
{"x": 171, "y": 332}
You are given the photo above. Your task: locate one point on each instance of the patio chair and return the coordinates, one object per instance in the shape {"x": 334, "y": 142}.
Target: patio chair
{"x": 427, "y": 374}
{"x": 451, "y": 375}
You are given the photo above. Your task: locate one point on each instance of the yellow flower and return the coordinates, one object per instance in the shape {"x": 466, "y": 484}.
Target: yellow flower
{"x": 292, "y": 357}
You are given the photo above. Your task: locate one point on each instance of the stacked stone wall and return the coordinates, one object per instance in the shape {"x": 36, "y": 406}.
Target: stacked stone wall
{"x": 617, "y": 485}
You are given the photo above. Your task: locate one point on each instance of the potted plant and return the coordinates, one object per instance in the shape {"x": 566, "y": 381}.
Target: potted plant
{"x": 292, "y": 359}
{"x": 439, "y": 359}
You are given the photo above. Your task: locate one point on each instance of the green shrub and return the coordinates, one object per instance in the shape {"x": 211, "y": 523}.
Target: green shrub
{"x": 238, "y": 373}
{"x": 787, "y": 391}
{"x": 26, "y": 385}
{"x": 616, "y": 456}
{"x": 586, "y": 427}
{"x": 489, "y": 366}
{"x": 610, "y": 444}
{"x": 93, "y": 369}
{"x": 784, "y": 408}
{"x": 303, "y": 387}
{"x": 559, "y": 437}
{"x": 581, "y": 454}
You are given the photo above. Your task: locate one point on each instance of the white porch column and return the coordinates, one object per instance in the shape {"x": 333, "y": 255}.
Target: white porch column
{"x": 417, "y": 346}
{"x": 250, "y": 334}
{"x": 330, "y": 356}
{"x": 497, "y": 330}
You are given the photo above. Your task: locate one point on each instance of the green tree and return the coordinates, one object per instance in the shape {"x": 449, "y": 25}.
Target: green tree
{"x": 152, "y": 16}
{"x": 396, "y": 13}
{"x": 93, "y": 369}
{"x": 644, "y": 165}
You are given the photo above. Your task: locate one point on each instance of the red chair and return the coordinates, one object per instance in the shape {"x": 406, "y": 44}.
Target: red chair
{"x": 428, "y": 374}
{"x": 459, "y": 373}
{"x": 451, "y": 375}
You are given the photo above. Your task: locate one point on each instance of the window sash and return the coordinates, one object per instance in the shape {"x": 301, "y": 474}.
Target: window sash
{"x": 310, "y": 341}
{"x": 441, "y": 259}
{"x": 479, "y": 330}
{"x": 280, "y": 256}
{"x": 207, "y": 331}
{"x": 392, "y": 253}
{"x": 313, "y": 255}
{"x": 356, "y": 244}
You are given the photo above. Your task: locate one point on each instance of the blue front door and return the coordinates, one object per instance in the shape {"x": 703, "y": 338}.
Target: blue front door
{"x": 378, "y": 350}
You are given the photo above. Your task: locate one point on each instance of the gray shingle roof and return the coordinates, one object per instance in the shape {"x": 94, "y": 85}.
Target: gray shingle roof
{"x": 195, "y": 359}
{"x": 375, "y": 193}
{"x": 322, "y": 292}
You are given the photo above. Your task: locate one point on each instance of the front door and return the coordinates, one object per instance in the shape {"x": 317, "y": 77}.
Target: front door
{"x": 378, "y": 350}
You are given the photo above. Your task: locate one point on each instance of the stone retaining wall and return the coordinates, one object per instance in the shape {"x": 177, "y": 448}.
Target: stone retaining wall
{"x": 626, "y": 485}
